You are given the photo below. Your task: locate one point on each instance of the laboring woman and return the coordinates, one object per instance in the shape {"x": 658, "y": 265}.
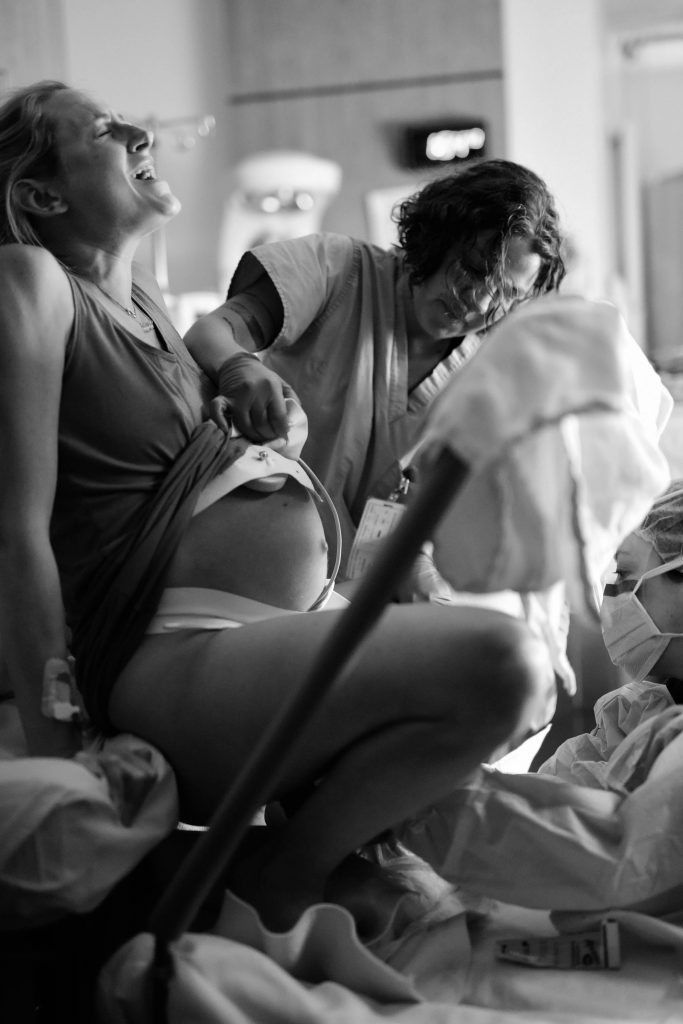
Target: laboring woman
{"x": 191, "y": 619}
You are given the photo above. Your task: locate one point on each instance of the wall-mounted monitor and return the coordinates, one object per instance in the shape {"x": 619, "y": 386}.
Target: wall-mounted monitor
{"x": 442, "y": 142}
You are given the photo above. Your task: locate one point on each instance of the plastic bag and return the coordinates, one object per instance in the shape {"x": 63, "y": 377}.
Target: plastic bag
{"x": 539, "y": 841}
{"x": 71, "y": 829}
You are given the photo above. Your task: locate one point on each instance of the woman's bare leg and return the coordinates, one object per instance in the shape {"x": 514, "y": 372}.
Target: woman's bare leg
{"x": 430, "y": 694}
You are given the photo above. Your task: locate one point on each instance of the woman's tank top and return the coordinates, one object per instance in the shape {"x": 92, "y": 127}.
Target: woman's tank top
{"x": 135, "y": 449}
{"x": 127, "y": 410}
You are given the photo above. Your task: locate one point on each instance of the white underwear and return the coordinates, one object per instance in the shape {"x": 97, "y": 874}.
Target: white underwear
{"x": 203, "y": 608}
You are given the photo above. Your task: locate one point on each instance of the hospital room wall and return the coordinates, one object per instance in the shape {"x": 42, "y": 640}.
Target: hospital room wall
{"x": 333, "y": 78}
{"x": 601, "y": 129}
{"x": 337, "y": 79}
{"x": 534, "y": 72}
{"x": 160, "y": 61}
{"x": 341, "y": 80}
{"x": 555, "y": 114}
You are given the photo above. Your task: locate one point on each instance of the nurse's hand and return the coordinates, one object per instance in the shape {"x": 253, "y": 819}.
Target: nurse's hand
{"x": 253, "y": 398}
{"x": 425, "y": 582}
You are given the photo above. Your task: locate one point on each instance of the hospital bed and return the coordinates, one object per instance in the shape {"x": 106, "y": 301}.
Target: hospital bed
{"x": 436, "y": 962}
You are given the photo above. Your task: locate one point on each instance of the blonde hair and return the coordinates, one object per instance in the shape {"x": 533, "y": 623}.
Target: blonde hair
{"x": 27, "y": 149}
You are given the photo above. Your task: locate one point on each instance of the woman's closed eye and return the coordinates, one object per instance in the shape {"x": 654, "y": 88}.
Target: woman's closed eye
{"x": 103, "y": 126}
{"x": 106, "y": 123}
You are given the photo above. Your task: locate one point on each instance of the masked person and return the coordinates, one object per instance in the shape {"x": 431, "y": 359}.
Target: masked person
{"x": 642, "y": 625}
{"x": 600, "y": 825}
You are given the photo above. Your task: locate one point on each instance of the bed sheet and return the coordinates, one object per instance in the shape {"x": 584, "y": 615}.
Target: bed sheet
{"x": 647, "y": 988}
{"x": 438, "y": 967}
{"x": 436, "y": 972}
{"x": 70, "y": 829}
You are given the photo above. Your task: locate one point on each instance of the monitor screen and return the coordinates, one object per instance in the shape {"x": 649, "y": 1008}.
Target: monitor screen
{"x": 442, "y": 142}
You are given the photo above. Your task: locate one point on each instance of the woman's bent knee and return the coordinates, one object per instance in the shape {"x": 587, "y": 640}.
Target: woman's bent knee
{"x": 509, "y": 684}
{"x": 525, "y": 680}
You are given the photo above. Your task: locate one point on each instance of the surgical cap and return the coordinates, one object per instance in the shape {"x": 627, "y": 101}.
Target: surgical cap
{"x": 663, "y": 524}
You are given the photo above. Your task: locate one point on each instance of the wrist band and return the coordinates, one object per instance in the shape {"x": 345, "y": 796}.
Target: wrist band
{"x": 59, "y": 691}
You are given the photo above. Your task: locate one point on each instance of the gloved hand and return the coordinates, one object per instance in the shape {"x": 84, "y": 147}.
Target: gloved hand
{"x": 252, "y": 397}
{"x": 425, "y": 582}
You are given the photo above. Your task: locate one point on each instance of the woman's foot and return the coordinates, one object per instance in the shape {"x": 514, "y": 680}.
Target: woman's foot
{"x": 368, "y": 892}
{"x": 280, "y": 894}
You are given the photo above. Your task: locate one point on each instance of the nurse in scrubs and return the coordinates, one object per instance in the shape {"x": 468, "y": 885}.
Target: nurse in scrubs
{"x": 366, "y": 337}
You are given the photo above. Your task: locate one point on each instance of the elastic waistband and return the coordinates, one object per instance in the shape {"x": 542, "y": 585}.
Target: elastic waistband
{"x": 203, "y": 608}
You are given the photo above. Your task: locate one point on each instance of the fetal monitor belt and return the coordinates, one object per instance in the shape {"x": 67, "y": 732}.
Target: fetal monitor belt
{"x": 257, "y": 463}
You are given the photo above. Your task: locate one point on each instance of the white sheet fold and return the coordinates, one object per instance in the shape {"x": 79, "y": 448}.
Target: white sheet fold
{"x": 558, "y": 417}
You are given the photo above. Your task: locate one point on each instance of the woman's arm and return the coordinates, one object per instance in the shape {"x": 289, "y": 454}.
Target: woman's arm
{"x": 36, "y": 313}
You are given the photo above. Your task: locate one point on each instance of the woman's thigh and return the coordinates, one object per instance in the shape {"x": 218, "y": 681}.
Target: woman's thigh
{"x": 206, "y": 698}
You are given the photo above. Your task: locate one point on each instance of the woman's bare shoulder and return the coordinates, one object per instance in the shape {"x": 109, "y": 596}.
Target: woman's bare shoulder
{"x": 33, "y": 282}
{"x": 30, "y": 264}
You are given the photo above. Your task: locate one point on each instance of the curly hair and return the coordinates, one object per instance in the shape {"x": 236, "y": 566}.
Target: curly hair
{"x": 485, "y": 203}
{"x": 27, "y": 149}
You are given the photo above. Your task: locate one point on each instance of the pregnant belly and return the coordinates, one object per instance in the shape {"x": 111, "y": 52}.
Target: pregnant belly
{"x": 269, "y": 547}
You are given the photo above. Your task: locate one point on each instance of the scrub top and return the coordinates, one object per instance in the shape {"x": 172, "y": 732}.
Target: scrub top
{"x": 343, "y": 347}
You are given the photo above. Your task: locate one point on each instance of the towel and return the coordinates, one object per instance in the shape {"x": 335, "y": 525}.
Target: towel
{"x": 558, "y": 417}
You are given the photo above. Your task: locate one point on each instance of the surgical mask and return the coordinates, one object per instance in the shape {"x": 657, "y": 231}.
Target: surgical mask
{"x": 632, "y": 639}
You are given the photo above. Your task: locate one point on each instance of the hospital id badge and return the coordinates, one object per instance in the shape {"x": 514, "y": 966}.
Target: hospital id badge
{"x": 378, "y": 520}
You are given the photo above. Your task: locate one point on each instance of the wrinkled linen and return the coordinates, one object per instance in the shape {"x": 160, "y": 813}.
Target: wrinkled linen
{"x": 319, "y": 973}
{"x": 71, "y": 829}
{"x": 434, "y": 961}
{"x": 647, "y": 987}
{"x": 421, "y": 952}
{"x": 558, "y": 418}
{"x": 538, "y": 841}
{"x": 585, "y": 759}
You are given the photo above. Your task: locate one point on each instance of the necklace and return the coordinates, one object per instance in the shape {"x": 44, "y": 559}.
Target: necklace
{"x": 146, "y": 325}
